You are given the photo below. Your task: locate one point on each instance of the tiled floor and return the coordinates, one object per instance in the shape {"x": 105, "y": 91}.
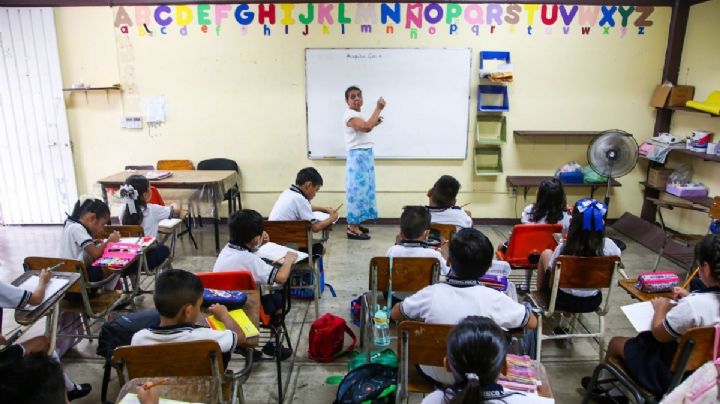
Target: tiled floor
{"x": 346, "y": 267}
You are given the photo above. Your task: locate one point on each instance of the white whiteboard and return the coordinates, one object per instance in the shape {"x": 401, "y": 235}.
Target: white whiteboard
{"x": 427, "y": 93}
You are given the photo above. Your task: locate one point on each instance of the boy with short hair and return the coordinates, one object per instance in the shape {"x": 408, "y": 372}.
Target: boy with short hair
{"x": 414, "y": 231}
{"x": 246, "y": 235}
{"x": 294, "y": 203}
{"x": 462, "y": 295}
{"x": 443, "y": 197}
{"x": 178, "y": 297}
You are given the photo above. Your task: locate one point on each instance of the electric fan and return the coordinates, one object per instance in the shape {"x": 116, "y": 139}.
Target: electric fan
{"x": 612, "y": 153}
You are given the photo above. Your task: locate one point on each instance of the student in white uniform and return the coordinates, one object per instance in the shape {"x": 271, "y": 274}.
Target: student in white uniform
{"x": 414, "y": 231}
{"x": 135, "y": 193}
{"x": 462, "y": 295}
{"x": 476, "y": 350}
{"x": 550, "y": 206}
{"x": 178, "y": 296}
{"x": 443, "y": 197}
{"x": 246, "y": 235}
{"x": 648, "y": 356}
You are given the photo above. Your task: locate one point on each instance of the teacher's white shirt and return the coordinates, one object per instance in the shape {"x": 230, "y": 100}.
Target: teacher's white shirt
{"x": 355, "y": 139}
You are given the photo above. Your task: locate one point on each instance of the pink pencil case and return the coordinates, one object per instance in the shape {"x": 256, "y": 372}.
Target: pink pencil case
{"x": 656, "y": 282}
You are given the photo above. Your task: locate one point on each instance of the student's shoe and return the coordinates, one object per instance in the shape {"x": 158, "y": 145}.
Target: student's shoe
{"x": 364, "y": 229}
{"x": 269, "y": 350}
{"x": 256, "y": 353}
{"x": 80, "y": 390}
{"x": 603, "y": 396}
{"x": 355, "y": 236}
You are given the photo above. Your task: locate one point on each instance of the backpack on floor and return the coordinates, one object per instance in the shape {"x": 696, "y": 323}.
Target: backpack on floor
{"x": 118, "y": 332}
{"x": 327, "y": 335}
{"x": 372, "y": 383}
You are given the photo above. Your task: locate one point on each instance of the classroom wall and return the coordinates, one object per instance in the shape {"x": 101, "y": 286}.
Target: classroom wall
{"x": 235, "y": 92}
{"x": 700, "y": 67}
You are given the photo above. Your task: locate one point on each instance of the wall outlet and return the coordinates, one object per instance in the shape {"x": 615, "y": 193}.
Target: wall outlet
{"x": 131, "y": 122}
{"x": 513, "y": 192}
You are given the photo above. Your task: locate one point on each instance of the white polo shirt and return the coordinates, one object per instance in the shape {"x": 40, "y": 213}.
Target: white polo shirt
{"x": 233, "y": 258}
{"x": 152, "y": 215}
{"x": 453, "y": 215}
{"x": 418, "y": 250}
{"x": 525, "y": 218}
{"x": 13, "y": 297}
{"x": 445, "y": 304}
{"x": 185, "y": 333}
{"x": 355, "y": 139}
{"x": 609, "y": 250}
{"x": 292, "y": 205}
{"x": 73, "y": 241}
{"x": 698, "y": 309}
{"x": 438, "y": 397}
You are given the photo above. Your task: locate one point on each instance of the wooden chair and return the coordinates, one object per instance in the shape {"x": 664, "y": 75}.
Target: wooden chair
{"x": 419, "y": 344}
{"x": 578, "y": 273}
{"x": 442, "y": 231}
{"x": 408, "y": 275}
{"x": 695, "y": 348}
{"x": 96, "y": 302}
{"x": 124, "y": 230}
{"x": 686, "y": 240}
{"x": 196, "y": 358}
{"x": 527, "y": 242}
{"x": 297, "y": 234}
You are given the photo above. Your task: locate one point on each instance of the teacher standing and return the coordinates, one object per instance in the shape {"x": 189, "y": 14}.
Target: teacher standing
{"x": 360, "y": 168}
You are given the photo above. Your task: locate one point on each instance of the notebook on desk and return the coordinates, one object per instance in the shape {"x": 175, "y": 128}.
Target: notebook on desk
{"x": 241, "y": 318}
{"x": 275, "y": 252}
{"x": 53, "y": 287}
{"x": 320, "y": 216}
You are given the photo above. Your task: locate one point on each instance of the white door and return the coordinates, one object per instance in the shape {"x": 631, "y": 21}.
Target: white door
{"x": 37, "y": 177}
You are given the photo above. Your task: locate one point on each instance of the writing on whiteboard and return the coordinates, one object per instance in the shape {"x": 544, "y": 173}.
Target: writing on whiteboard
{"x": 364, "y": 56}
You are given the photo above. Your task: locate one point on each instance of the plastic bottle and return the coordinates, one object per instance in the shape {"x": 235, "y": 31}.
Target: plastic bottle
{"x": 381, "y": 330}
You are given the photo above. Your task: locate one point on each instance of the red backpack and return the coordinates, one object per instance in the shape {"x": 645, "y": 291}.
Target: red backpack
{"x": 327, "y": 335}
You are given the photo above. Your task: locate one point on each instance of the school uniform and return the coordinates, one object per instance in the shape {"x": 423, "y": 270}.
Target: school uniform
{"x": 72, "y": 246}
{"x": 418, "y": 249}
{"x": 452, "y": 215}
{"x": 492, "y": 394}
{"x": 187, "y": 333}
{"x": 292, "y": 204}
{"x": 578, "y": 300}
{"x": 152, "y": 215}
{"x": 526, "y": 218}
{"x": 648, "y": 360}
{"x": 451, "y": 301}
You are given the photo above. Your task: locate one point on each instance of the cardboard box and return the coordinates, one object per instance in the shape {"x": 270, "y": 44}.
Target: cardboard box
{"x": 657, "y": 177}
{"x": 675, "y": 96}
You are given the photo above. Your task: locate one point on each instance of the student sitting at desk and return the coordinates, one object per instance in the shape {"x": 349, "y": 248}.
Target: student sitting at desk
{"x": 462, "y": 295}
{"x": 246, "y": 235}
{"x": 414, "y": 230}
{"x": 12, "y": 297}
{"x": 550, "y": 206}
{"x": 178, "y": 297}
{"x": 443, "y": 196}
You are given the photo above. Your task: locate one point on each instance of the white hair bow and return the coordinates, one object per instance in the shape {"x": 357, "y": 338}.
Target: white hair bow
{"x": 129, "y": 195}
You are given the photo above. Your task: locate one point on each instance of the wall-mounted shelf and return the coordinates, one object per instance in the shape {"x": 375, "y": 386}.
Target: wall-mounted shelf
{"x": 555, "y": 133}
{"x": 691, "y": 110}
{"x": 488, "y": 160}
{"x": 704, "y": 156}
{"x": 533, "y": 181}
{"x": 107, "y": 90}
{"x": 702, "y": 200}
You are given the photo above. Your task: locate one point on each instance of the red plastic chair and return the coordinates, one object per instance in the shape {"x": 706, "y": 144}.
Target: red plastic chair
{"x": 232, "y": 280}
{"x": 527, "y": 242}
{"x": 155, "y": 197}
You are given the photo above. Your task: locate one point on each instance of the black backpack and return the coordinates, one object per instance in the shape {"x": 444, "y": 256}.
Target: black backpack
{"x": 118, "y": 332}
{"x": 372, "y": 383}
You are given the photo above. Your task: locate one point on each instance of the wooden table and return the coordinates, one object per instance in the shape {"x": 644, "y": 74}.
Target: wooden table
{"x": 629, "y": 286}
{"x": 210, "y": 183}
{"x": 252, "y": 309}
{"x": 197, "y": 389}
{"x": 532, "y": 181}
{"x": 544, "y": 389}
{"x": 50, "y": 308}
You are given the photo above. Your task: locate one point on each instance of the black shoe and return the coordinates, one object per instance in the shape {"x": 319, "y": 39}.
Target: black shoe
{"x": 602, "y": 396}
{"x": 364, "y": 229}
{"x": 269, "y": 350}
{"x": 256, "y": 353}
{"x": 355, "y": 236}
{"x": 585, "y": 382}
{"x": 80, "y": 390}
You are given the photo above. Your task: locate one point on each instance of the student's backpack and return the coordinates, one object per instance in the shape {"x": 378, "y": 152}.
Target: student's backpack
{"x": 118, "y": 332}
{"x": 372, "y": 384}
{"x": 327, "y": 335}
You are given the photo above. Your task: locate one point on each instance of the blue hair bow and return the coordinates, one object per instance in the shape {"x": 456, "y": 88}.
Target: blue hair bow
{"x": 590, "y": 208}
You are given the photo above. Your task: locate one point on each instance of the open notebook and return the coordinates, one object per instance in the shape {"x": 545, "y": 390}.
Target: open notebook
{"x": 52, "y": 288}
{"x": 320, "y": 216}
{"x": 275, "y": 252}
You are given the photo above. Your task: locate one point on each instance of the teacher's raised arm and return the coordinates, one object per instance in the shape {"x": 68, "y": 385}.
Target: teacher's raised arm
{"x": 360, "y": 166}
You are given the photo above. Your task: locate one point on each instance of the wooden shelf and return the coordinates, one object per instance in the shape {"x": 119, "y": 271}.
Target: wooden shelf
{"x": 533, "y": 181}
{"x": 691, "y": 110}
{"x": 704, "y": 156}
{"x": 572, "y": 133}
{"x": 115, "y": 87}
{"x": 702, "y": 200}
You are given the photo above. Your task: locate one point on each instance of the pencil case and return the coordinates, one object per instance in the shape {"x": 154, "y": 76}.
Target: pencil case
{"x": 656, "y": 282}
{"x": 230, "y": 298}
{"x": 496, "y": 282}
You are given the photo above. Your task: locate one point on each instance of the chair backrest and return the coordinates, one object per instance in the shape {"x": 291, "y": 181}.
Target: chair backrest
{"x": 297, "y": 232}
{"x": 585, "y": 272}
{"x": 409, "y": 274}
{"x": 155, "y": 196}
{"x": 227, "y": 280}
{"x": 175, "y": 165}
{"x": 425, "y": 342}
{"x": 528, "y": 241}
{"x": 67, "y": 265}
{"x": 715, "y": 208}
{"x": 446, "y": 231}
{"x": 148, "y": 167}
{"x": 218, "y": 164}
{"x": 194, "y": 358}
{"x": 124, "y": 230}
{"x": 695, "y": 354}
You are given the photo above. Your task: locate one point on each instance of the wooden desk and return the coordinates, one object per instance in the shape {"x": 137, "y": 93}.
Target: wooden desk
{"x": 252, "y": 309}
{"x": 543, "y": 390}
{"x": 49, "y": 308}
{"x": 196, "y": 389}
{"x": 210, "y": 184}
{"x": 629, "y": 286}
{"x": 531, "y": 181}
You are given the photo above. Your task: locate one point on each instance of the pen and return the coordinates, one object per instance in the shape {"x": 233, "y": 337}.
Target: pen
{"x": 54, "y": 267}
{"x": 462, "y": 206}
{"x": 149, "y": 385}
{"x": 339, "y": 206}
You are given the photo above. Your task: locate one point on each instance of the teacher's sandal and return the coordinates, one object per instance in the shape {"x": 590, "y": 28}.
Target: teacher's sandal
{"x": 354, "y": 236}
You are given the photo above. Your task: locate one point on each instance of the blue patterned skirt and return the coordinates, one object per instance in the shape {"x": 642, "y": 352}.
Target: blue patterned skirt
{"x": 360, "y": 186}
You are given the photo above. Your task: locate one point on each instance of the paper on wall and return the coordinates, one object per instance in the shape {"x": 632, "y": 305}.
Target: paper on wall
{"x": 155, "y": 109}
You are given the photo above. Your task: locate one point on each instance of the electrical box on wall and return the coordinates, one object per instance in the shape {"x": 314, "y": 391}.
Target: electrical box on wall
{"x": 131, "y": 122}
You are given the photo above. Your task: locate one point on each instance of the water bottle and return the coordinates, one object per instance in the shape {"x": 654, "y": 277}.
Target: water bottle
{"x": 381, "y": 331}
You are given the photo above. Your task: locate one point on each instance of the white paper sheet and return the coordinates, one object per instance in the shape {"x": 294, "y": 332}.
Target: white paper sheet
{"x": 155, "y": 109}
{"x": 52, "y": 287}
{"x": 320, "y": 216}
{"x": 271, "y": 251}
{"x": 640, "y": 315}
